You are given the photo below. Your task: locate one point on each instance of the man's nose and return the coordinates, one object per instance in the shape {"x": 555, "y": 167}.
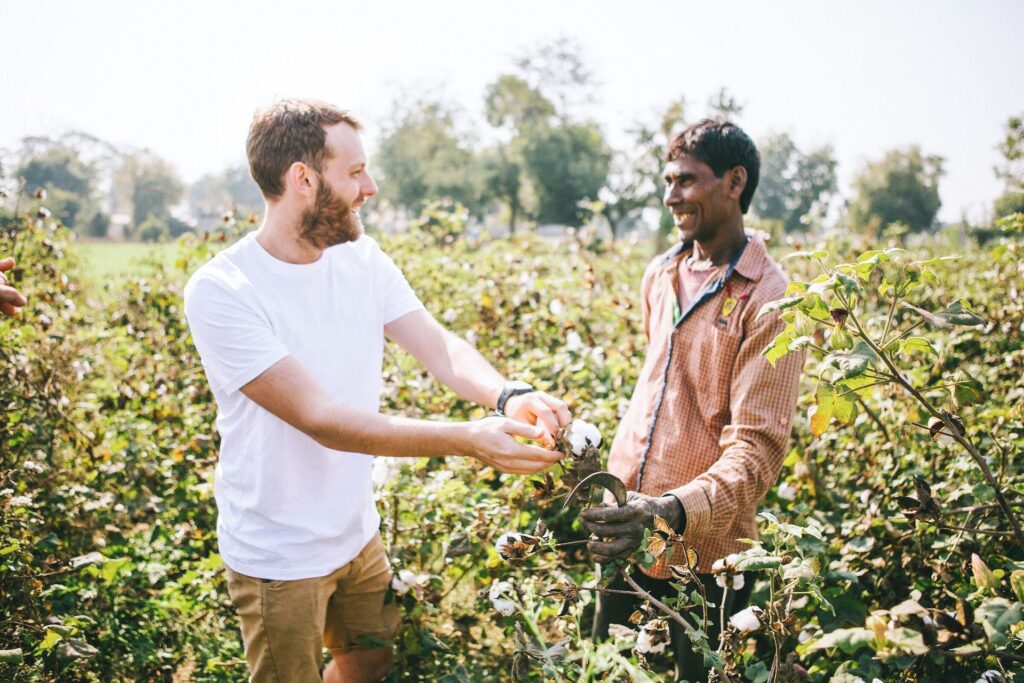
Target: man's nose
{"x": 369, "y": 187}
{"x": 672, "y": 196}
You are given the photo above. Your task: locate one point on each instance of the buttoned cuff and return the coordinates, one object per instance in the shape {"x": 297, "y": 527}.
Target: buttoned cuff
{"x": 696, "y": 508}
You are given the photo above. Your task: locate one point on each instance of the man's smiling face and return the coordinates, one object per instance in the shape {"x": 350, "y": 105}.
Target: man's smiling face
{"x": 698, "y": 199}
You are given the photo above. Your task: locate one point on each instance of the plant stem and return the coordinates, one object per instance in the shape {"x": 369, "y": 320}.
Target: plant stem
{"x": 949, "y": 424}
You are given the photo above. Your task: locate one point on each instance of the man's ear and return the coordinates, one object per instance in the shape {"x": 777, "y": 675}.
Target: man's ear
{"x": 300, "y": 179}
{"x": 737, "y": 181}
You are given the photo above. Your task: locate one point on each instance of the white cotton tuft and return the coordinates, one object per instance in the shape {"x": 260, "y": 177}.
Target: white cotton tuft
{"x": 746, "y": 620}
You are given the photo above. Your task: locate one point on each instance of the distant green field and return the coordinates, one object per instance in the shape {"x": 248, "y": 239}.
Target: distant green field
{"x": 109, "y": 262}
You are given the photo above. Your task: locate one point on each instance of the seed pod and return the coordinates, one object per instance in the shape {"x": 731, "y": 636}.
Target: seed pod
{"x": 840, "y": 340}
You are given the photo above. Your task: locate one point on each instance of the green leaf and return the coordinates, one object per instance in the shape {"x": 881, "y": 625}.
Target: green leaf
{"x": 805, "y": 254}
{"x": 780, "y": 304}
{"x": 916, "y": 344}
{"x": 51, "y": 638}
{"x": 1017, "y": 583}
{"x": 966, "y": 391}
{"x": 936, "y": 261}
{"x": 755, "y": 564}
{"x": 844, "y": 407}
{"x": 849, "y": 640}
{"x": 757, "y": 672}
{"x": 852, "y": 363}
{"x": 955, "y": 314}
{"x": 779, "y": 347}
{"x": 996, "y": 616}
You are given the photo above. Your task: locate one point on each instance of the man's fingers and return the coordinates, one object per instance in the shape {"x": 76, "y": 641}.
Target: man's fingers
{"x": 620, "y": 547}
{"x": 533, "y": 461}
{"x": 517, "y": 428}
{"x": 530, "y": 453}
{"x": 626, "y": 513}
{"x": 6, "y": 263}
{"x": 8, "y": 309}
{"x": 614, "y": 530}
{"x": 559, "y": 408}
{"x": 545, "y": 416}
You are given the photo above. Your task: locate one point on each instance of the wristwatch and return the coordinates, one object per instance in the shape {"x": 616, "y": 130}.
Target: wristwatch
{"x": 511, "y": 389}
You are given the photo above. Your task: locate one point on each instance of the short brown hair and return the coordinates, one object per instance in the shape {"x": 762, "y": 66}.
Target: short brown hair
{"x": 289, "y": 131}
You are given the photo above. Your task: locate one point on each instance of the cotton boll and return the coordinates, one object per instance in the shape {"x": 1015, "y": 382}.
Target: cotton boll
{"x": 786, "y": 491}
{"x": 653, "y": 637}
{"x": 747, "y": 620}
{"x": 402, "y": 582}
{"x": 573, "y": 342}
{"x": 499, "y": 594}
{"x": 738, "y": 581}
{"x": 582, "y": 433}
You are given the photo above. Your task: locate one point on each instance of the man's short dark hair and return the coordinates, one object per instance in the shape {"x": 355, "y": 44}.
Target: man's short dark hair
{"x": 721, "y": 145}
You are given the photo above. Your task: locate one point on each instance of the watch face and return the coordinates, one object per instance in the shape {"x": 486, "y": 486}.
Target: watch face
{"x": 519, "y": 386}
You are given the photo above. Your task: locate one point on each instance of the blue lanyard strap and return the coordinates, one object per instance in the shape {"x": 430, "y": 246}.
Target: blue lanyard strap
{"x": 709, "y": 291}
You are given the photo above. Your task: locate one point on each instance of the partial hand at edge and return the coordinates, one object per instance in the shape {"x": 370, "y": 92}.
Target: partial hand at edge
{"x": 11, "y": 300}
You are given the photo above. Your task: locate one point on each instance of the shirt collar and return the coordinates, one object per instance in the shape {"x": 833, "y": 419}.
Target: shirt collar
{"x": 751, "y": 261}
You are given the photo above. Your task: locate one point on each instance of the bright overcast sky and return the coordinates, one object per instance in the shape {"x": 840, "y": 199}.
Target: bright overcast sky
{"x": 183, "y": 78}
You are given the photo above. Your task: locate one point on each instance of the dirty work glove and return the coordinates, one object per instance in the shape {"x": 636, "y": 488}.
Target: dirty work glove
{"x": 620, "y": 530}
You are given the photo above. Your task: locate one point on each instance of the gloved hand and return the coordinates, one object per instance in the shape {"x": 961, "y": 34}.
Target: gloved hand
{"x": 620, "y": 530}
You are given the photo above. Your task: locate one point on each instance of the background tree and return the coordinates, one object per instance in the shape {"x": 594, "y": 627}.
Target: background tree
{"x": 69, "y": 181}
{"x": 515, "y": 110}
{"x": 424, "y": 157}
{"x": 567, "y": 165}
{"x": 902, "y": 187}
{"x": 153, "y": 188}
{"x": 723, "y": 106}
{"x": 794, "y": 186}
{"x": 635, "y": 183}
{"x": 1011, "y": 171}
{"x": 233, "y": 189}
{"x": 548, "y": 150}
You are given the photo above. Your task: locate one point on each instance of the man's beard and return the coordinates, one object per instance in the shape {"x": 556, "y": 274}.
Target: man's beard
{"x": 331, "y": 220}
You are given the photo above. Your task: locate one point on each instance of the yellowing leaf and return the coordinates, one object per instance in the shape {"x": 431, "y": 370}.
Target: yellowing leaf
{"x": 821, "y": 412}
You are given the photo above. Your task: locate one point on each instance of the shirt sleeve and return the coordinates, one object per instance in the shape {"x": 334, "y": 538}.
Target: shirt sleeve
{"x": 762, "y": 404}
{"x": 235, "y": 343}
{"x": 399, "y": 299}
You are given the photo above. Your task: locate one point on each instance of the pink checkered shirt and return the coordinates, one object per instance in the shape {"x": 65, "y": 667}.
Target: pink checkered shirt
{"x": 709, "y": 420}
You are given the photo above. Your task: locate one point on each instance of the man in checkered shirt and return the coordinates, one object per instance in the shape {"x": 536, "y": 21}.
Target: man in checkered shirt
{"x": 709, "y": 420}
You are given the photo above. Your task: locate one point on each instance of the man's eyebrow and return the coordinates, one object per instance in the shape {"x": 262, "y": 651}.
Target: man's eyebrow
{"x": 681, "y": 176}
{"x": 356, "y": 166}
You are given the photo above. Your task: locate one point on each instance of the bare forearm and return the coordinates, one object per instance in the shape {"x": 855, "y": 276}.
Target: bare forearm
{"x": 358, "y": 432}
{"x": 467, "y": 373}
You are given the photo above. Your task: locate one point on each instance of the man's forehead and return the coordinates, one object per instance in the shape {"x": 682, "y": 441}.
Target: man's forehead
{"x": 684, "y": 164}
{"x": 343, "y": 142}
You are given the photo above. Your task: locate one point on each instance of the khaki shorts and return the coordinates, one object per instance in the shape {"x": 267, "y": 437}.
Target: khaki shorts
{"x": 286, "y": 624}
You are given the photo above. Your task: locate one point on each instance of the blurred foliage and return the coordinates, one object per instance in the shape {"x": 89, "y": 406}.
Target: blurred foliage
{"x": 795, "y": 188}
{"x": 108, "y": 563}
{"x": 902, "y": 187}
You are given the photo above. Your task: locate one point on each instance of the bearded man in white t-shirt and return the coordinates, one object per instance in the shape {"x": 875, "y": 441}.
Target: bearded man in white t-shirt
{"x": 290, "y": 324}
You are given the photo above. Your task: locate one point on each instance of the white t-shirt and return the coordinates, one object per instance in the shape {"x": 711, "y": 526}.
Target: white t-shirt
{"x": 289, "y": 508}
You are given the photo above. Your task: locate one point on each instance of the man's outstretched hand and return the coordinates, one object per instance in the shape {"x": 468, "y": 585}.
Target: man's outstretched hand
{"x": 11, "y": 300}
{"x": 620, "y": 530}
{"x": 539, "y": 408}
{"x": 492, "y": 442}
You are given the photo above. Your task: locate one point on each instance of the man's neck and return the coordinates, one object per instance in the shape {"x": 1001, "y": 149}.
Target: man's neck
{"x": 279, "y": 236}
{"x": 719, "y": 250}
